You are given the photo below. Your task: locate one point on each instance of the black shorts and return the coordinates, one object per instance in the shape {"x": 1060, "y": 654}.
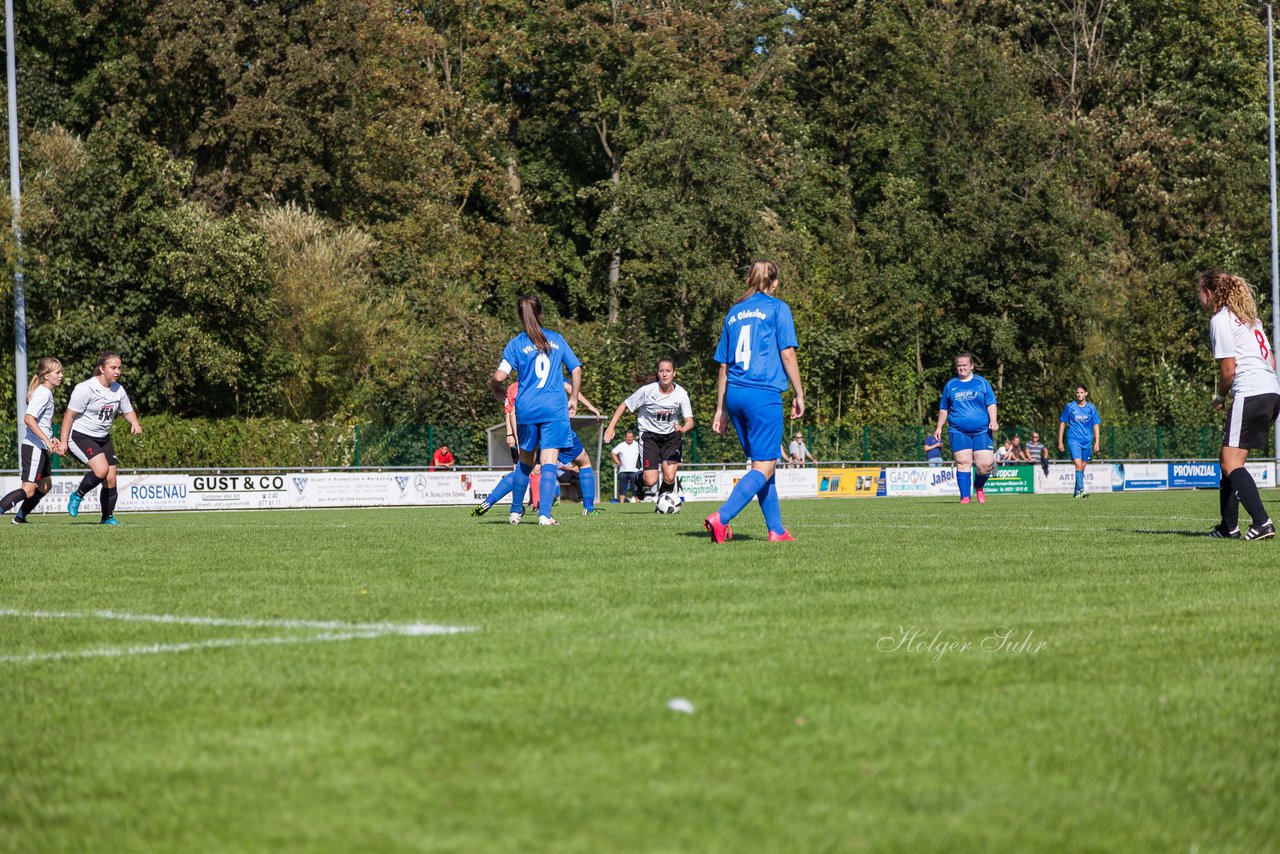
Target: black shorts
{"x": 1249, "y": 420}
{"x": 659, "y": 448}
{"x": 34, "y": 464}
{"x": 86, "y": 448}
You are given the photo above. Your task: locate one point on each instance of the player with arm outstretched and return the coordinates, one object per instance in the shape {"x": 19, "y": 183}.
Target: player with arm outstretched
{"x": 663, "y": 415}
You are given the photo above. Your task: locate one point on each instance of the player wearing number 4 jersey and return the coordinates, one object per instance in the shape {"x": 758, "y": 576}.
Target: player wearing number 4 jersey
{"x": 1246, "y": 367}
{"x": 539, "y": 357}
{"x": 757, "y": 356}
{"x": 86, "y": 432}
{"x": 38, "y": 442}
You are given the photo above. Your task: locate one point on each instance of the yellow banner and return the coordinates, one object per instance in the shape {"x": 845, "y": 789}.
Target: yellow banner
{"x": 848, "y": 483}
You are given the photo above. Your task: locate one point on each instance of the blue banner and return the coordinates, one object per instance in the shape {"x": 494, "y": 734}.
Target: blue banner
{"x": 1194, "y": 476}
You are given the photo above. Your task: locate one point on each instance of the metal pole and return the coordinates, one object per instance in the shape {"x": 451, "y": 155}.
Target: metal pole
{"x": 15, "y": 193}
{"x": 1275, "y": 247}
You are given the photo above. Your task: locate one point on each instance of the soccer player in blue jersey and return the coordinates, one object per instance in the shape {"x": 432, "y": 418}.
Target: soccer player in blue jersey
{"x": 539, "y": 357}
{"x": 757, "y": 356}
{"x": 969, "y": 404}
{"x": 1080, "y": 422}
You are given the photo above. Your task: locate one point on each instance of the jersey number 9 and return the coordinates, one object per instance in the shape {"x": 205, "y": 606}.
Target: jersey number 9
{"x": 542, "y": 367}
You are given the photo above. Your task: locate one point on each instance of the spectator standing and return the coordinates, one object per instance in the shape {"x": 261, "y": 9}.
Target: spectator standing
{"x": 626, "y": 457}
{"x": 798, "y": 450}
{"x": 933, "y": 450}
{"x": 442, "y": 458}
{"x": 1038, "y": 452}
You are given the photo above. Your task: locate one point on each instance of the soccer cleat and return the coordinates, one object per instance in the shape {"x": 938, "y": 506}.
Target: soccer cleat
{"x": 73, "y": 504}
{"x": 1265, "y": 531}
{"x": 784, "y": 537}
{"x": 1218, "y": 533}
{"x": 480, "y": 510}
{"x": 964, "y": 500}
{"x": 547, "y": 520}
{"x": 19, "y": 520}
{"x": 110, "y": 520}
{"x": 981, "y": 496}
{"x": 719, "y": 531}
{"x": 515, "y": 518}
{"x": 599, "y": 511}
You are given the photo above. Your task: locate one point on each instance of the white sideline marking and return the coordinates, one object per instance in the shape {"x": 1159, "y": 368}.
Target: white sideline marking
{"x": 327, "y": 631}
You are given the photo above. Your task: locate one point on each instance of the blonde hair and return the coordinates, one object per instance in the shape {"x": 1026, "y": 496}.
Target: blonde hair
{"x": 1230, "y": 292}
{"x": 44, "y": 367}
{"x": 762, "y": 278}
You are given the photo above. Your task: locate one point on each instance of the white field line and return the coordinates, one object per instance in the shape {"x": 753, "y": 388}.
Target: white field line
{"x": 326, "y": 631}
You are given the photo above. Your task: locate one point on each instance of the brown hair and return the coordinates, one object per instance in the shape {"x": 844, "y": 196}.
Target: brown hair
{"x": 104, "y": 357}
{"x": 1231, "y": 292}
{"x": 44, "y": 367}
{"x": 965, "y": 354}
{"x": 762, "y": 278}
{"x": 529, "y": 307}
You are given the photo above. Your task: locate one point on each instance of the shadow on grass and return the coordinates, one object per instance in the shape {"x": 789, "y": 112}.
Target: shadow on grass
{"x": 703, "y": 535}
{"x": 1197, "y": 534}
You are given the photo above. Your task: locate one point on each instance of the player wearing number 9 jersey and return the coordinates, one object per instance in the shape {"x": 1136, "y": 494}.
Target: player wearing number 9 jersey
{"x": 1246, "y": 367}
{"x": 539, "y": 357}
{"x": 757, "y": 356}
{"x": 86, "y": 432}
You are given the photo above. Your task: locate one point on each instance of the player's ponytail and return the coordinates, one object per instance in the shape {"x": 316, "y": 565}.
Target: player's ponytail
{"x": 761, "y": 279}
{"x": 1231, "y": 292}
{"x": 104, "y": 357}
{"x": 530, "y": 309}
{"x": 44, "y": 367}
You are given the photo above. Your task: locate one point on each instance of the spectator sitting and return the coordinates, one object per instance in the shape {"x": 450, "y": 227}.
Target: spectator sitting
{"x": 933, "y": 450}
{"x": 442, "y": 458}
{"x": 1020, "y": 454}
{"x": 1004, "y": 453}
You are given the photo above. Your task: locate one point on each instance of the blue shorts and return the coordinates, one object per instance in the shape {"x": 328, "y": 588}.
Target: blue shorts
{"x": 553, "y": 434}
{"x": 970, "y": 440}
{"x": 1081, "y": 452}
{"x": 756, "y": 414}
{"x": 569, "y": 454}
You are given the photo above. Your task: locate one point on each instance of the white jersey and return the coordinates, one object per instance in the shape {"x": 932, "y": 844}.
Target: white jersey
{"x": 629, "y": 453}
{"x": 1249, "y": 345}
{"x": 657, "y": 412}
{"x": 98, "y": 406}
{"x": 39, "y": 407}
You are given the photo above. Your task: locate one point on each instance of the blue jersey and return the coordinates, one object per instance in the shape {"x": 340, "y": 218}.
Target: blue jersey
{"x": 1080, "y": 420}
{"x": 540, "y": 397}
{"x": 966, "y": 403}
{"x": 755, "y": 333}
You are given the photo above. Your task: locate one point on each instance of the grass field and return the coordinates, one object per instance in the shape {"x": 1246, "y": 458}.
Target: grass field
{"x": 1134, "y": 706}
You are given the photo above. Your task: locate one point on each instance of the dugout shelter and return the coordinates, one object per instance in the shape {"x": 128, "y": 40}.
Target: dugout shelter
{"x": 589, "y": 428}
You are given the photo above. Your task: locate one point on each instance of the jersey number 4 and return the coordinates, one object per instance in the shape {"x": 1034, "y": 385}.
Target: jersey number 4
{"x": 742, "y": 352}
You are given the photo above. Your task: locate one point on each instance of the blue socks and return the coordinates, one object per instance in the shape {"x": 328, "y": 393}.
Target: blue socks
{"x": 1079, "y": 481}
{"x": 500, "y": 491}
{"x": 519, "y": 486}
{"x": 547, "y": 486}
{"x": 980, "y": 480}
{"x": 963, "y": 479}
{"x": 745, "y": 489}
{"x": 587, "y": 481}
{"x": 769, "y": 506}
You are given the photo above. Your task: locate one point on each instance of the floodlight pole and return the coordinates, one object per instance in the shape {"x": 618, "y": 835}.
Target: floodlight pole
{"x": 1275, "y": 246}
{"x": 15, "y": 193}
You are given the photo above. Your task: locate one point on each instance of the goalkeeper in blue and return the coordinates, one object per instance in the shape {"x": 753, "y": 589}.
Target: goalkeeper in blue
{"x": 969, "y": 404}
{"x": 1080, "y": 422}
{"x": 757, "y": 356}
{"x": 539, "y": 357}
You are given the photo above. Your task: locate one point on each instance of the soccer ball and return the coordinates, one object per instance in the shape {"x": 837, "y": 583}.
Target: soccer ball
{"x": 668, "y": 502}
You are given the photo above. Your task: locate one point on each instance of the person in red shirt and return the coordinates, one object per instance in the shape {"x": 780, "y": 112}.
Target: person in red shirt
{"x": 442, "y": 458}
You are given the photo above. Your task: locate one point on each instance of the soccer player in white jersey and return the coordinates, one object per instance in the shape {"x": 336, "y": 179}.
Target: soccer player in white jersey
{"x": 1247, "y": 368}
{"x": 663, "y": 414}
{"x": 86, "y": 432}
{"x": 38, "y": 443}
